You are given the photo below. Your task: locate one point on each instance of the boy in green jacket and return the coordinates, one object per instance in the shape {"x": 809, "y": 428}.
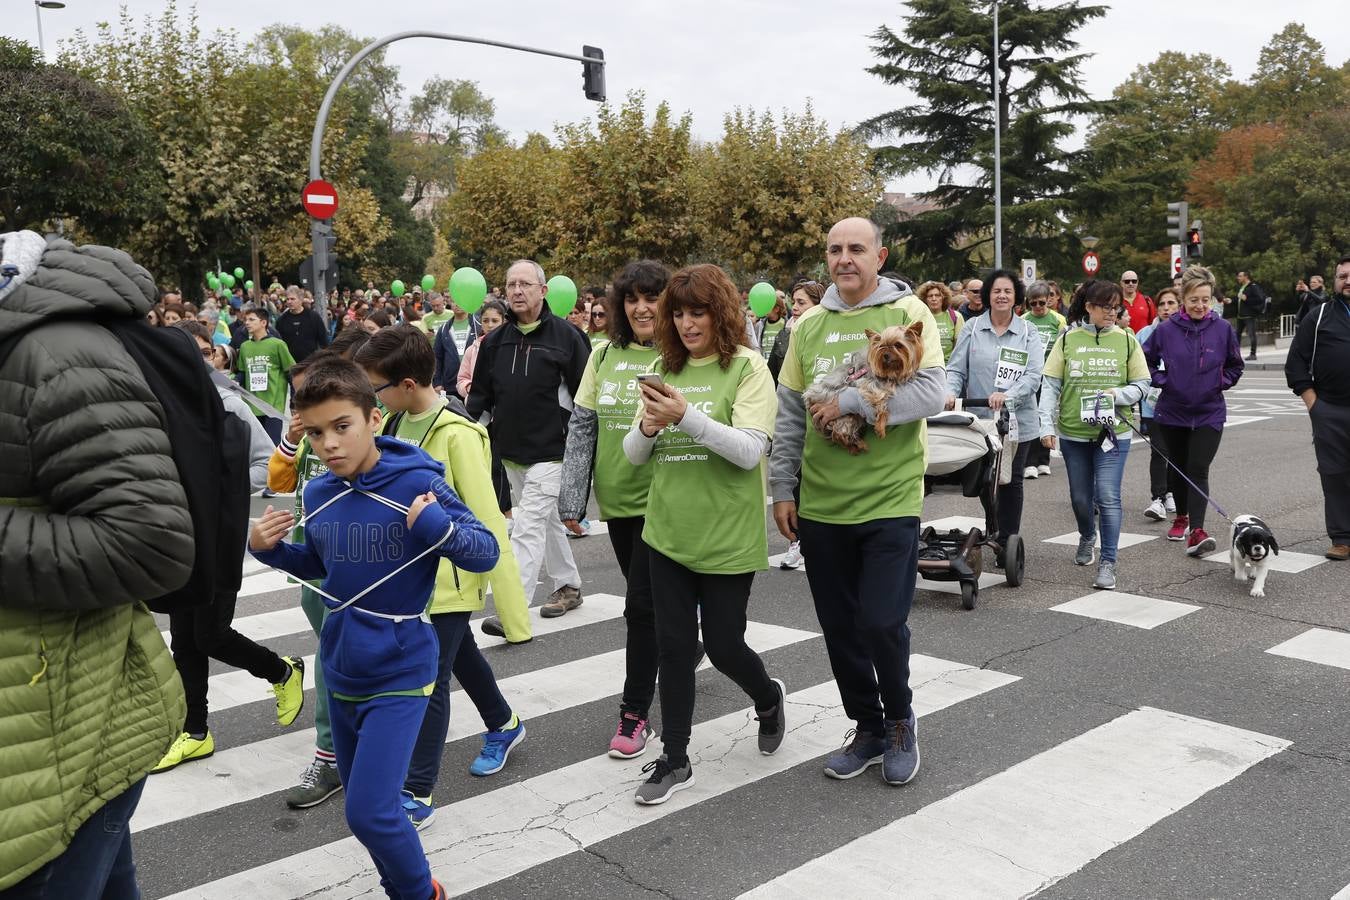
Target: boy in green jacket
{"x": 400, "y": 364}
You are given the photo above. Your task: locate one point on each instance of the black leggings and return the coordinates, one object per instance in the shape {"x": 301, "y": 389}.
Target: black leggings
{"x": 641, "y": 654}
{"x": 1193, "y": 450}
{"x": 678, "y": 594}
{"x": 1010, "y": 494}
{"x": 202, "y": 633}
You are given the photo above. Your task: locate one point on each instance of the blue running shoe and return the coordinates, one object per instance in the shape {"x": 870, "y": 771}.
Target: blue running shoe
{"x": 861, "y": 751}
{"x": 497, "y": 746}
{"x": 902, "y": 750}
{"x": 419, "y": 811}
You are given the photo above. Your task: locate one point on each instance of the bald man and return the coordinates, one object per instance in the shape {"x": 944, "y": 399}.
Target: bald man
{"x": 859, "y": 516}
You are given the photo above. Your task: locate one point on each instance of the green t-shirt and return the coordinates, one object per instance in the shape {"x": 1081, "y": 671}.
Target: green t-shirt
{"x": 526, "y": 329}
{"x": 413, "y": 427}
{"x": 704, "y": 512}
{"x": 949, "y": 324}
{"x": 1049, "y": 326}
{"x": 1086, "y": 363}
{"x": 771, "y": 332}
{"x": 432, "y": 321}
{"x": 598, "y": 338}
{"x": 265, "y": 364}
{"x": 887, "y": 481}
{"x": 308, "y": 466}
{"x": 609, "y": 388}
{"x": 460, "y": 332}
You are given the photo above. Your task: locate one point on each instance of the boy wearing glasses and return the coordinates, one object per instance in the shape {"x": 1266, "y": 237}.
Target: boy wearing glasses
{"x": 1142, "y": 310}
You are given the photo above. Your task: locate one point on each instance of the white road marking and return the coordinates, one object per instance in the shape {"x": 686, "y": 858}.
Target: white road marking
{"x": 1126, "y": 609}
{"x": 1319, "y": 645}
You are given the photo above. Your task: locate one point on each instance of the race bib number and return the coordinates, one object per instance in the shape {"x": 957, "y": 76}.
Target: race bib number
{"x": 257, "y": 375}
{"x": 1098, "y": 410}
{"x": 1012, "y": 364}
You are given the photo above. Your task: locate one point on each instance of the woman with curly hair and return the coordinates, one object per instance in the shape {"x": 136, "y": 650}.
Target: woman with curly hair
{"x": 704, "y": 428}
{"x": 938, "y": 297}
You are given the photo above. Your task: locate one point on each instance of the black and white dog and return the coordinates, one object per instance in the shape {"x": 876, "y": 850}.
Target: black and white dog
{"x": 1252, "y": 546}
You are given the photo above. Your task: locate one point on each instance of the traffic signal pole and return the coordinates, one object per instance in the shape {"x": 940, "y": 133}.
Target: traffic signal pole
{"x": 593, "y": 72}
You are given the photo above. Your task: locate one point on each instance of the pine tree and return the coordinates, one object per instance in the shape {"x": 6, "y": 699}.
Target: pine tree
{"x": 945, "y": 57}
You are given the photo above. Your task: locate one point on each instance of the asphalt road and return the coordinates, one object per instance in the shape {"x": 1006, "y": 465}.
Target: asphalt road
{"x": 1063, "y": 754}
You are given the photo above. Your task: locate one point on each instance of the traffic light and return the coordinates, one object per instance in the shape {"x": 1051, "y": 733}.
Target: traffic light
{"x": 1178, "y": 214}
{"x": 593, "y": 74}
{"x": 1195, "y": 241}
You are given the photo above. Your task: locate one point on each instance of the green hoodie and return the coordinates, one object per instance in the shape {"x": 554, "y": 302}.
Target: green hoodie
{"x": 463, "y": 447}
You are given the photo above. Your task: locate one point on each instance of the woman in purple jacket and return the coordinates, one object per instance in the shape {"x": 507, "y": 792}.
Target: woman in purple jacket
{"x": 1194, "y": 357}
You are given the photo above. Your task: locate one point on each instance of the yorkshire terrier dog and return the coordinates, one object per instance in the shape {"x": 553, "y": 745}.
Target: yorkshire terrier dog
{"x": 890, "y": 359}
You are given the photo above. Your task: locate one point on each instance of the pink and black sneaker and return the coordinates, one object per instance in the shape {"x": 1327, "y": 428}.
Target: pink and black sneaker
{"x": 630, "y": 739}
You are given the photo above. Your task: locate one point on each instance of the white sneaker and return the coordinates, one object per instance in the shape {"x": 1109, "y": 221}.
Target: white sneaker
{"x": 1156, "y": 512}
{"x": 1055, "y": 453}
{"x": 1044, "y": 470}
{"x": 1170, "y": 504}
{"x": 793, "y": 557}
{"x": 1029, "y": 472}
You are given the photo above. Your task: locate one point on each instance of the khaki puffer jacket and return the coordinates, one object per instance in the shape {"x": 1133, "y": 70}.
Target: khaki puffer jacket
{"x": 93, "y": 521}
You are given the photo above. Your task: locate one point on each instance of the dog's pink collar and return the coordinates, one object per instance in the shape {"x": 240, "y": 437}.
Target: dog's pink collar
{"x": 859, "y": 372}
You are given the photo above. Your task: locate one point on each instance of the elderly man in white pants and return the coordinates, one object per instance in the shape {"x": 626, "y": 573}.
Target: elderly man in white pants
{"x": 526, "y": 375}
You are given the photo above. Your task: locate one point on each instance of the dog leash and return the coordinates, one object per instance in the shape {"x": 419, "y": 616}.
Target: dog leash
{"x": 1212, "y": 502}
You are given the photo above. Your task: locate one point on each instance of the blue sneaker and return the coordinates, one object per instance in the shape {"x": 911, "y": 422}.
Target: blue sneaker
{"x": 857, "y": 756}
{"x": 902, "y": 751}
{"x": 497, "y": 746}
{"x": 419, "y": 811}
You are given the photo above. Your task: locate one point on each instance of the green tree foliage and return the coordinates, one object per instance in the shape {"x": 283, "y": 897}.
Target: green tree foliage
{"x": 1292, "y": 81}
{"x": 1168, "y": 114}
{"x": 767, "y": 195}
{"x": 945, "y": 56}
{"x": 68, "y": 149}
{"x": 443, "y": 124}
{"x": 1285, "y": 219}
{"x": 623, "y": 191}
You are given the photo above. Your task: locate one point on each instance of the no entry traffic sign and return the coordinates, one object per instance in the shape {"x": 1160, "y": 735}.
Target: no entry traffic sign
{"x": 319, "y": 199}
{"x": 1090, "y": 264}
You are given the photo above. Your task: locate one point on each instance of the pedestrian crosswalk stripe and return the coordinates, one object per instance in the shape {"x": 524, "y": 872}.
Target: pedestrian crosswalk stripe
{"x": 1126, "y": 609}
{"x": 1022, "y": 830}
{"x": 1343, "y": 893}
{"x": 237, "y": 687}
{"x": 268, "y": 625}
{"x": 265, "y": 582}
{"x": 1319, "y": 645}
{"x": 1127, "y": 539}
{"x": 240, "y": 774}
{"x": 1285, "y": 561}
{"x": 492, "y": 836}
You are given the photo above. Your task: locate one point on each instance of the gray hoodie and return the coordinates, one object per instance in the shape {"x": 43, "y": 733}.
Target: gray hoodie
{"x": 923, "y": 396}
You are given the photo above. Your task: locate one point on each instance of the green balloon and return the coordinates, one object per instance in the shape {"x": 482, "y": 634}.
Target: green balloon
{"x": 428, "y": 283}
{"x": 468, "y": 288}
{"x": 396, "y": 288}
{"x": 248, "y": 285}
{"x": 226, "y": 279}
{"x": 762, "y": 298}
{"x": 562, "y": 295}
{"x": 239, "y": 273}
{"x": 213, "y": 282}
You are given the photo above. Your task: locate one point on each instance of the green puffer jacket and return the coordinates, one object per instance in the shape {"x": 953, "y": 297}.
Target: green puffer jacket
{"x": 93, "y": 520}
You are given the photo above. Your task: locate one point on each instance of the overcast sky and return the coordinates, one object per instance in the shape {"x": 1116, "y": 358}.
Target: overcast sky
{"x": 706, "y": 56}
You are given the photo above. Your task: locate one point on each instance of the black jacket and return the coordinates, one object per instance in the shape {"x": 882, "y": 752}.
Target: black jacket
{"x": 1251, "y": 301}
{"x": 1328, "y": 329}
{"x": 304, "y": 332}
{"x": 527, "y": 382}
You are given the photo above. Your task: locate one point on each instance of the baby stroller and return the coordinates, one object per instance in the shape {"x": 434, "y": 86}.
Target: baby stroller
{"x": 965, "y": 454}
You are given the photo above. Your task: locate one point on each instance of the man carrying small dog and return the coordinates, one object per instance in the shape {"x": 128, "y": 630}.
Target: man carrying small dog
{"x": 1318, "y": 370}
{"x": 859, "y": 517}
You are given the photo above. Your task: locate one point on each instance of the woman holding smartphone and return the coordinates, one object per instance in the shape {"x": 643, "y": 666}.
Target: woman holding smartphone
{"x": 708, "y": 410}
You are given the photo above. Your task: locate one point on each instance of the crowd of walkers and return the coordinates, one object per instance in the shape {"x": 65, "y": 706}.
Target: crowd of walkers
{"x": 436, "y": 455}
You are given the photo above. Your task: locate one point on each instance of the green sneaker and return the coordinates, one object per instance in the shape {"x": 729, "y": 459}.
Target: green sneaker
{"x": 291, "y": 692}
{"x": 317, "y": 783}
{"x": 185, "y": 747}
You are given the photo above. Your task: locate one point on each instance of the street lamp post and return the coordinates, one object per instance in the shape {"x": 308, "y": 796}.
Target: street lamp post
{"x": 321, "y": 230}
{"x": 38, "y": 7}
{"x": 998, "y": 156}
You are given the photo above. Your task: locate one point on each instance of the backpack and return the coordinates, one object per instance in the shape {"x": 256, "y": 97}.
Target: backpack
{"x": 210, "y": 449}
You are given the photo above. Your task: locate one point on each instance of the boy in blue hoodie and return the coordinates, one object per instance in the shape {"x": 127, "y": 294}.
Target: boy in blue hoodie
{"x": 379, "y": 522}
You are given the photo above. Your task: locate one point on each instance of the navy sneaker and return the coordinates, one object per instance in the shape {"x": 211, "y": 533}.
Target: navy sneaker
{"x": 497, "y": 746}
{"x": 902, "y": 751}
{"x": 419, "y": 810}
{"x": 856, "y": 756}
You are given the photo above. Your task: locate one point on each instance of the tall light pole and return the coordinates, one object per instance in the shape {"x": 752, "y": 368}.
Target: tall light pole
{"x": 998, "y": 156}
{"x": 38, "y": 7}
